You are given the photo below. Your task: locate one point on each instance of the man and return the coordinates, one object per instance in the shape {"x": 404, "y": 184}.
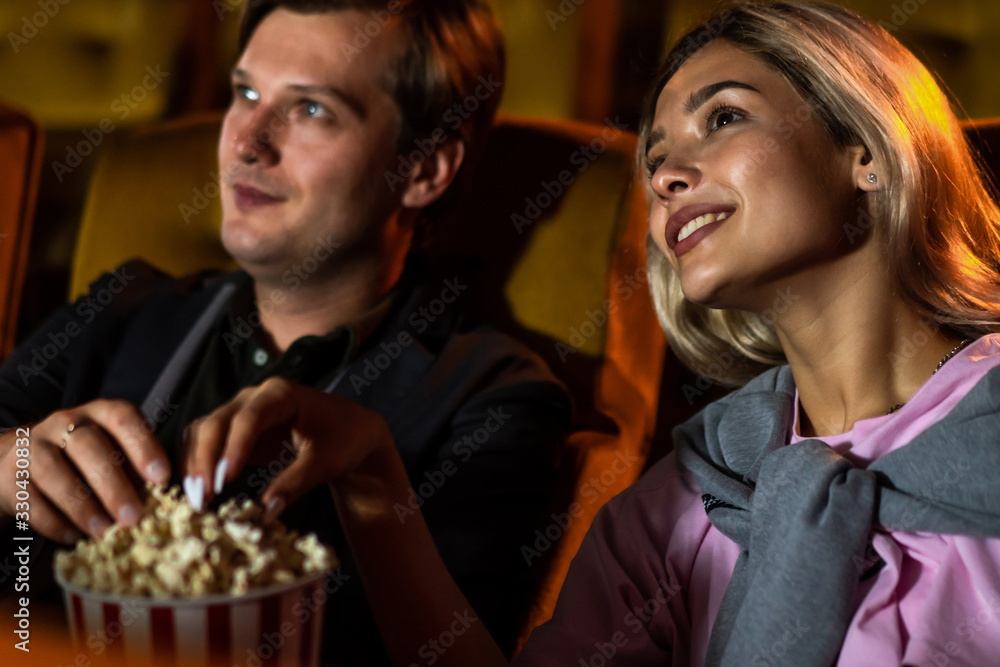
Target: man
{"x": 312, "y": 177}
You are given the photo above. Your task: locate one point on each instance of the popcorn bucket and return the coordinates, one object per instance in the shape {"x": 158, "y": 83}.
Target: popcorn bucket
{"x": 277, "y": 626}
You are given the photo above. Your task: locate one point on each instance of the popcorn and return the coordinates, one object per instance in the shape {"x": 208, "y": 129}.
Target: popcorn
{"x": 177, "y": 552}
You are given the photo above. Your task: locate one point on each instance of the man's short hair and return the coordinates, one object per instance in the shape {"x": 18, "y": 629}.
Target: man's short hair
{"x": 450, "y": 74}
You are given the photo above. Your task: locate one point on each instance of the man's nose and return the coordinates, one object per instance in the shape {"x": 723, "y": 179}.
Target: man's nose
{"x": 255, "y": 138}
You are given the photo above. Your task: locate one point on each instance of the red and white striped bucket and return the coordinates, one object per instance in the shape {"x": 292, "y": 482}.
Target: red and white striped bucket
{"x": 278, "y": 626}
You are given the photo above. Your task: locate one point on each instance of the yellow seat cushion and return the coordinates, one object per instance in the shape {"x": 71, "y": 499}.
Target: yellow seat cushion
{"x": 154, "y": 194}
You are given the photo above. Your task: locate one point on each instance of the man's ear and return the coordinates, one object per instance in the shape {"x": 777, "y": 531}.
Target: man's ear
{"x": 432, "y": 176}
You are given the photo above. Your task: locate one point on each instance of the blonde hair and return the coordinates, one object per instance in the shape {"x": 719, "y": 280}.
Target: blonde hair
{"x": 933, "y": 213}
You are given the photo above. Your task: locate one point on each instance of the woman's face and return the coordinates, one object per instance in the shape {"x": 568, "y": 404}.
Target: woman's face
{"x": 749, "y": 194}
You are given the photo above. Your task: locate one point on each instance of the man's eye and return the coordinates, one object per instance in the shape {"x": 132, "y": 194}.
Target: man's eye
{"x": 247, "y": 93}
{"x": 311, "y": 109}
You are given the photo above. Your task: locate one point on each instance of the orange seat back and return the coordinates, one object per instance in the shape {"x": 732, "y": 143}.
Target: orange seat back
{"x": 20, "y": 162}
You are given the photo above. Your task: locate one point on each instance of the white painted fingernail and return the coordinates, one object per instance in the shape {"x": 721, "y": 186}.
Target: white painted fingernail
{"x": 195, "y": 491}
{"x": 186, "y": 483}
{"x": 198, "y": 501}
{"x": 220, "y": 475}
{"x": 275, "y": 506}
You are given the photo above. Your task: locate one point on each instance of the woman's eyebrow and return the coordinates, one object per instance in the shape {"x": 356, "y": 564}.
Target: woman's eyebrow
{"x": 698, "y": 98}
{"x": 702, "y": 95}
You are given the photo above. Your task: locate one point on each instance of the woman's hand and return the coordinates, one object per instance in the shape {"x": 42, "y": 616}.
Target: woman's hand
{"x": 331, "y": 436}
{"x": 80, "y": 464}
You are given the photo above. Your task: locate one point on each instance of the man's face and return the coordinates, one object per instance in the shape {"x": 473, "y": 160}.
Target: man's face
{"x": 305, "y": 146}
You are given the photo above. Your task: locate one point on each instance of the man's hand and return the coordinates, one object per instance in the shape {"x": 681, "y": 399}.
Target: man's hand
{"x": 331, "y": 435}
{"x": 351, "y": 448}
{"x": 78, "y": 465}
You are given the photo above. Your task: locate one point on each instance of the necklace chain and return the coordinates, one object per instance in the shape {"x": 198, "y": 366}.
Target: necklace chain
{"x": 941, "y": 363}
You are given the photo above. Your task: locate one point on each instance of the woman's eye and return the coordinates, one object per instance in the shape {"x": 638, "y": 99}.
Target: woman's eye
{"x": 721, "y": 117}
{"x": 652, "y": 166}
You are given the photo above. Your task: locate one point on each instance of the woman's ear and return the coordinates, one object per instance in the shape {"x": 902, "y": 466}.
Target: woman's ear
{"x": 864, "y": 169}
{"x": 433, "y": 174}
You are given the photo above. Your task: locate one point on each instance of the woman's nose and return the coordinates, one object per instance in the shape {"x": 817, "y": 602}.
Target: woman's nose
{"x": 674, "y": 175}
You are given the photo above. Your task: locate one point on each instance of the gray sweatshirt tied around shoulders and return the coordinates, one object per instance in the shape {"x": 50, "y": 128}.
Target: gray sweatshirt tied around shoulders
{"x": 803, "y": 514}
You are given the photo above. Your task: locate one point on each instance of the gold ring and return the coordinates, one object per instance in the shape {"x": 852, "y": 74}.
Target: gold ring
{"x": 65, "y": 436}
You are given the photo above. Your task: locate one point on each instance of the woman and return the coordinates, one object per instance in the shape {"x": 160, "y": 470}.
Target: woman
{"x": 812, "y": 203}
{"x": 814, "y": 209}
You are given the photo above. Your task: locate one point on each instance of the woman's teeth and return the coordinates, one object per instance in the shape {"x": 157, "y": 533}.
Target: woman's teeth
{"x": 699, "y": 222}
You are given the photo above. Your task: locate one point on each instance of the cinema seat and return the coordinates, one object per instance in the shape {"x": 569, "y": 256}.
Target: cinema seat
{"x": 76, "y": 64}
{"x": 20, "y": 162}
